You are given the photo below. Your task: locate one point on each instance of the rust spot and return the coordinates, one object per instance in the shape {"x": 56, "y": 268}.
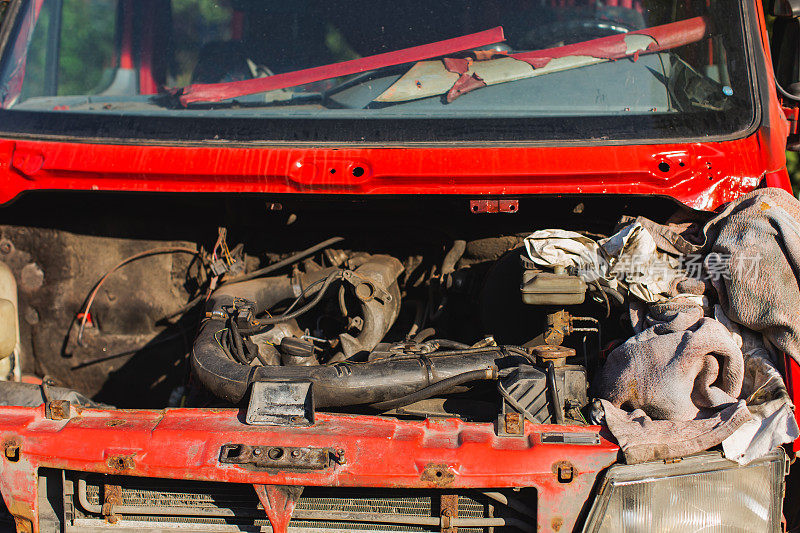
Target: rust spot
{"x": 438, "y": 474}
{"x": 556, "y": 523}
{"x": 119, "y": 463}
{"x": 513, "y": 423}
{"x": 23, "y": 525}
{"x": 764, "y": 206}
{"x": 449, "y": 508}
{"x": 114, "y": 422}
{"x": 59, "y": 410}
{"x": 564, "y": 471}
{"x": 112, "y": 496}
{"x": 11, "y": 451}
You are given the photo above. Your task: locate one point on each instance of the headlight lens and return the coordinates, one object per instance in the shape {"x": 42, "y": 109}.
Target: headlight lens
{"x": 701, "y": 493}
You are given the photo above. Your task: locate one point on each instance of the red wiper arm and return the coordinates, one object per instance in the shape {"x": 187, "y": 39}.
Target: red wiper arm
{"x": 215, "y": 92}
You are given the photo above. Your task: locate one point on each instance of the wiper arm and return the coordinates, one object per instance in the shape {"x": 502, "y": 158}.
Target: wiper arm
{"x": 215, "y": 92}
{"x": 457, "y": 76}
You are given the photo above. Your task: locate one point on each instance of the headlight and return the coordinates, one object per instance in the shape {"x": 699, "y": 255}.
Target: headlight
{"x": 700, "y": 493}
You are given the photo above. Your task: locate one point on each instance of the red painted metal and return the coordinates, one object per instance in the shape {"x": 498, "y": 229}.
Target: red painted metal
{"x": 214, "y": 92}
{"x": 377, "y": 452}
{"x": 279, "y": 503}
{"x": 380, "y": 452}
{"x": 701, "y": 175}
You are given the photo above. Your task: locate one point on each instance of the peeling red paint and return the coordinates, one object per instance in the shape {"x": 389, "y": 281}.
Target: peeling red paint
{"x": 614, "y": 47}
{"x": 464, "y": 84}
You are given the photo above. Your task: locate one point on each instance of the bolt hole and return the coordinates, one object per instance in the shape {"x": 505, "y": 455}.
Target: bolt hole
{"x": 358, "y": 172}
{"x": 439, "y": 473}
{"x": 475, "y": 208}
{"x": 333, "y": 171}
{"x": 663, "y": 166}
{"x": 275, "y": 453}
{"x": 682, "y": 164}
{"x": 512, "y": 207}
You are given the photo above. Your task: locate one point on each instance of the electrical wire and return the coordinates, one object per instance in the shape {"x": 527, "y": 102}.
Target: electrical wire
{"x": 147, "y": 253}
{"x": 440, "y": 387}
{"x": 286, "y": 262}
{"x": 261, "y": 272}
{"x": 263, "y": 323}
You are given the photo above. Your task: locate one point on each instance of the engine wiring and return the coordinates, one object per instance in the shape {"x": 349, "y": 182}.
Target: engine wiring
{"x": 85, "y": 314}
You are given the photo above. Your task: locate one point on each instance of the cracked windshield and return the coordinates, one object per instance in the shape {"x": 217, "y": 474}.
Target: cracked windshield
{"x": 367, "y": 59}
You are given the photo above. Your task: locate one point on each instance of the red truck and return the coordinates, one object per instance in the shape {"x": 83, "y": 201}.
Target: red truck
{"x": 260, "y": 261}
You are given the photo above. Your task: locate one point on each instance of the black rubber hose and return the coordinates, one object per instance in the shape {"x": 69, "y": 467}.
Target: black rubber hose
{"x": 558, "y": 407}
{"x": 440, "y": 387}
{"x": 448, "y": 344}
{"x": 341, "y": 384}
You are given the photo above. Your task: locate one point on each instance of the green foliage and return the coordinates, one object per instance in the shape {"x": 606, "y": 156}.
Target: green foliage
{"x": 87, "y": 40}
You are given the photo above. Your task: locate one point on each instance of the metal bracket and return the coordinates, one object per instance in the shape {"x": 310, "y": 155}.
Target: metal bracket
{"x": 280, "y": 457}
{"x": 281, "y": 403}
{"x": 493, "y": 206}
{"x": 364, "y": 289}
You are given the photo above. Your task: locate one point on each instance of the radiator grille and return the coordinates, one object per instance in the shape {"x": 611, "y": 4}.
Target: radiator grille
{"x": 235, "y": 507}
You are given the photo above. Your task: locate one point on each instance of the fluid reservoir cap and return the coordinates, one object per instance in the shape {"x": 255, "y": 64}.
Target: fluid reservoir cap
{"x": 557, "y": 354}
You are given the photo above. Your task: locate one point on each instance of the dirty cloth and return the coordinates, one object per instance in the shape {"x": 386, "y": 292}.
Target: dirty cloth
{"x": 643, "y": 439}
{"x": 755, "y": 243}
{"x": 673, "y": 388}
{"x": 579, "y": 254}
{"x": 750, "y": 253}
{"x": 628, "y": 256}
{"x": 772, "y": 413}
{"x": 682, "y": 367}
{"x": 634, "y": 258}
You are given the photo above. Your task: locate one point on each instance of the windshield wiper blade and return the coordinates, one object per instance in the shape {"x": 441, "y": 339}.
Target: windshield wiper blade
{"x": 215, "y": 92}
{"x": 457, "y": 76}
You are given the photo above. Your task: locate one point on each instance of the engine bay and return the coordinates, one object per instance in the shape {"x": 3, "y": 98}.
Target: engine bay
{"x": 403, "y": 307}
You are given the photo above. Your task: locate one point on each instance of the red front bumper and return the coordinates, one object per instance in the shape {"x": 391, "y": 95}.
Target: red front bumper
{"x": 377, "y": 452}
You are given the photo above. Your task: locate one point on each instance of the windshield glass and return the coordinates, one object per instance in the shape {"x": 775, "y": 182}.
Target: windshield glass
{"x": 530, "y": 69}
